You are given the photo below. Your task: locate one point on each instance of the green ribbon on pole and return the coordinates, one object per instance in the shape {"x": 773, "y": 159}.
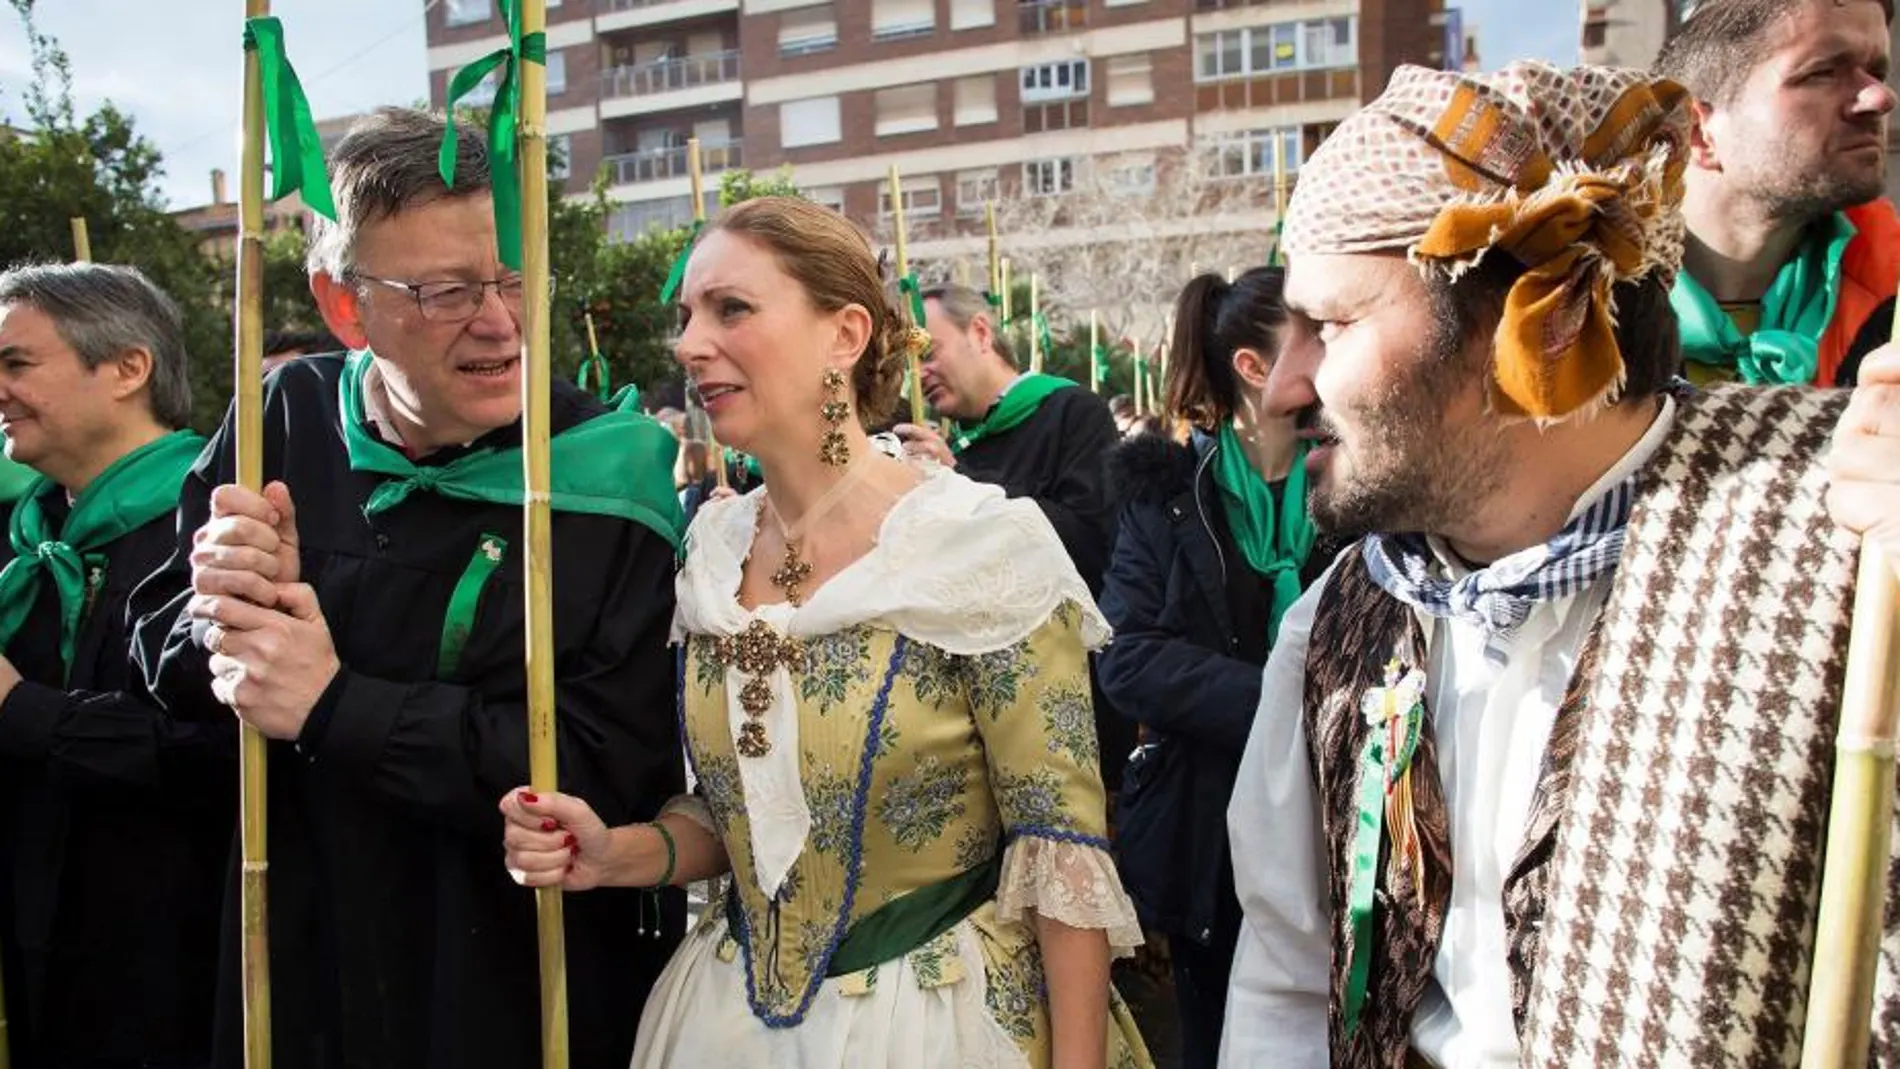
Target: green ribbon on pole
{"x": 1043, "y": 337}
{"x": 504, "y": 121}
{"x": 594, "y": 375}
{"x": 1273, "y": 258}
{"x": 909, "y": 286}
{"x": 995, "y": 300}
{"x": 1100, "y": 355}
{"x": 677, "y": 274}
{"x": 296, "y": 152}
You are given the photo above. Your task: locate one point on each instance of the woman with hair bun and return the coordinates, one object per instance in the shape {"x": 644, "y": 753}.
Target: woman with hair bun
{"x": 885, "y": 696}
{"x": 1215, "y": 544}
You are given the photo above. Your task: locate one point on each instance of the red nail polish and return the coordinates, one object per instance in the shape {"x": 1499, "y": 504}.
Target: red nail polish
{"x": 550, "y": 824}
{"x": 528, "y": 797}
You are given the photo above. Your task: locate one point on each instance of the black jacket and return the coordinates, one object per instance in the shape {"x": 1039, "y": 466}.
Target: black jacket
{"x": 1190, "y": 643}
{"x": 115, "y": 823}
{"x": 397, "y": 939}
{"x": 1056, "y": 458}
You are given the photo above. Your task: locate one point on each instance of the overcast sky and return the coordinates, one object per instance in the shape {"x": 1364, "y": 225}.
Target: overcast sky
{"x": 175, "y": 65}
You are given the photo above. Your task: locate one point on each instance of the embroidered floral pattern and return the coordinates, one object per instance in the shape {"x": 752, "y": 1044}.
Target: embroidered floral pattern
{"x": 975, "y": 846}
{"x": 1068, "y": 717}
{"x": 830, "y": 797}
{"x": 834, "y": 664}
{"x": 915, "y": 808}
{"x": 1033, "y": 799}
{"x": 935, "y": 676}
{"x": 719, "y": 784}
{"x": 997, "y": 677}
{"x": 708, "y": 674}
{"x": 1015, "y": 994}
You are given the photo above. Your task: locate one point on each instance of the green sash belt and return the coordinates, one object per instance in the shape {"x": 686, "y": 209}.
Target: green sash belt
{"x": 904, "y": 924}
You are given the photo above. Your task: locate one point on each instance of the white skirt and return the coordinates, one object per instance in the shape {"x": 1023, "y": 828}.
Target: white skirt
{"x": 698, "y": 1018}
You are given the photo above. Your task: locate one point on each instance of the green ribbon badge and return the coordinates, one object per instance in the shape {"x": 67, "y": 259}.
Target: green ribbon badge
{"x": 504, "y": 120}
{"x": 296, "y": 152}
{"x": 677, "y": 274}
{"x": 1396, "y": 713}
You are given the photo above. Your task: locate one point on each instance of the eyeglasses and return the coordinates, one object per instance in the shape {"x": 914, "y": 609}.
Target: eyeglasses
{"x": 452, "y": 302}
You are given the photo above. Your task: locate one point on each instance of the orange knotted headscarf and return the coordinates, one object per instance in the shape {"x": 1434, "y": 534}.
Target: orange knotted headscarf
{"x": 1575, "y": 173}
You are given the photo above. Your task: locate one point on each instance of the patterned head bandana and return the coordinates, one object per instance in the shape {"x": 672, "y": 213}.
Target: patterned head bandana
{"x": 1575, "y": 173}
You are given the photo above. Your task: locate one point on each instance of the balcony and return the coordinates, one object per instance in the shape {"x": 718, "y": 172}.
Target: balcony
{"x": 616, "y": 15}
{"x": 1052, "y": 16}
{"x": 663, "y": 85}
{"x": 655, "y": 165}
{"x": 1269, "y": 90}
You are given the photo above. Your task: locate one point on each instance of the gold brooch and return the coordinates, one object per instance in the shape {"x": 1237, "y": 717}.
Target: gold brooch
{"x": 756, "y": 652}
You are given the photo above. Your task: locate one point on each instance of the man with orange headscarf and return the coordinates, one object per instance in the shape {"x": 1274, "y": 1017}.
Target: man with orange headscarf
{"x": 1540, "y": 765}
{"x": 1792, "y": 251}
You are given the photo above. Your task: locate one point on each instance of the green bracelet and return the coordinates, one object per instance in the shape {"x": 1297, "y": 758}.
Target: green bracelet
{"x": 672, "y": 854}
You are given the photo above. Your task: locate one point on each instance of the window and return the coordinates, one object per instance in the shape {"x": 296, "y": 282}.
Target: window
{"x": 1253, "y": 152}
{"x": 1130, "y": 81}
{"x": 467, "y": 12}
{"x": 1315, "y": 44}
{"x": 1060, "y": 115}
{"x": 976, "y": 100}
{"x": 482, "y": 95}
{"x": 906, "y": 109}
{"x": 1046, "y": 178}
{"x": 974, "y": 189}
{"x": 1596, "y": 25}
{"x": 809, "y": 122}
{"x": 970, "y": 14}
{"x": 1056, "y": 81}
{"x": 557, "y": 72}
{"x": 893, "y": 20}
{"x": 807, "y": 30}
{"x": 921, "y": 198}
{"x": 830, "y": 196}
{"x": 560, "y": 157}
{"x": 1130, "y": 178}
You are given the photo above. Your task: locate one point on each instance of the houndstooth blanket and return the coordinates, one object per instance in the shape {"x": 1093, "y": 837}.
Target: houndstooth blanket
{"x": 1687, "y": 870}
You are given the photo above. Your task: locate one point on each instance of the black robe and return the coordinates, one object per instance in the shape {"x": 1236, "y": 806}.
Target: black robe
{"x": 114, "y": 829}
{"x": 397, "y": 938}
{"x": 1058, "y": 458}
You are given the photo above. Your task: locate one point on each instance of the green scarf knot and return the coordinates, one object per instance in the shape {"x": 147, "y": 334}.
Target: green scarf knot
{"x": 1795, "y": 314}
{"x": 296, "y": 151}
{"x": 1275, "y": 538}
{"x": 136, "y": 489}
{"x": 1019, "y": 403}
{"x": 619, "y": 463}
{"x": 504, "y": 120}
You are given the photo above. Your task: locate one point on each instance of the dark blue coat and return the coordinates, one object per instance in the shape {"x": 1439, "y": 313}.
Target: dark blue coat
{"x": 1188, "y": 671}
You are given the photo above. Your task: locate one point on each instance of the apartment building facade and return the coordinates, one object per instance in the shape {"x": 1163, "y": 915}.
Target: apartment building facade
{"x": 969, "y": 99}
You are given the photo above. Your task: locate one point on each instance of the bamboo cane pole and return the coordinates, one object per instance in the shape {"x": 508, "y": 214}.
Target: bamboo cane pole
{"x": 82, "y": 246}
{"x": 248, "y": 410}
{"x": 1095, "y": 352}
{"x": 537, "y": 562}
{"x": 1007, "y": 315}
{"x": 996, "y": 263}
{"x": 715, "y": 453}
{"x": 1232, "y": 274}
{"x": 1279, "y": 181}
{"x": 1035, "y": 333}
{"x": 963, "y": 273}
{"x": 1860, "y": 824}
{"x": 913, "y": 345}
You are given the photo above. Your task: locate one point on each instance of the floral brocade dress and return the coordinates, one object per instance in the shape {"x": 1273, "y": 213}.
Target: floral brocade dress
{"x": 928, "y": 737}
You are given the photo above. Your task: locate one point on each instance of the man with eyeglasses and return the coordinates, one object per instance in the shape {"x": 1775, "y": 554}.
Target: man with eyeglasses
{"x": 366, "y": 613}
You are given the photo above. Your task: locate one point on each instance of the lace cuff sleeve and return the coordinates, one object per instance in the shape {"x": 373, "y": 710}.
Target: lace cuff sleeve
{"x": 1074, "y": 883}
{"x": 693, "y": 808}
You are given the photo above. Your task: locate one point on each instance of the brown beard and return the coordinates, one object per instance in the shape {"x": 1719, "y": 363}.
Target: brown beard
{"x": 1414, "y": 470}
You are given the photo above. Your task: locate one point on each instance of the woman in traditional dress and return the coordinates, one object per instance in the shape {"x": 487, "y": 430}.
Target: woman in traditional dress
{"x": 885, "y": 693}
{"x": 1215, "y": 545}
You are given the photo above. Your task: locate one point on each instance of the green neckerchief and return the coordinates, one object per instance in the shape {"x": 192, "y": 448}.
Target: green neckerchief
{"x": 15, "y": 477}
{"x": 1276, "y": 538}
{"x": 619, "y": 463}
{"x": 1019, "y": 403}
{"x": 1795, "y": 313}
{"x": 138, "y": 488}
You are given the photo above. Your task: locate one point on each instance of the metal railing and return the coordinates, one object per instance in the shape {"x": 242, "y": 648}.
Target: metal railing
{"x": 1052, "y": 16}
{"x": 654, "y": 165}
{"x": 670, "y": 75}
